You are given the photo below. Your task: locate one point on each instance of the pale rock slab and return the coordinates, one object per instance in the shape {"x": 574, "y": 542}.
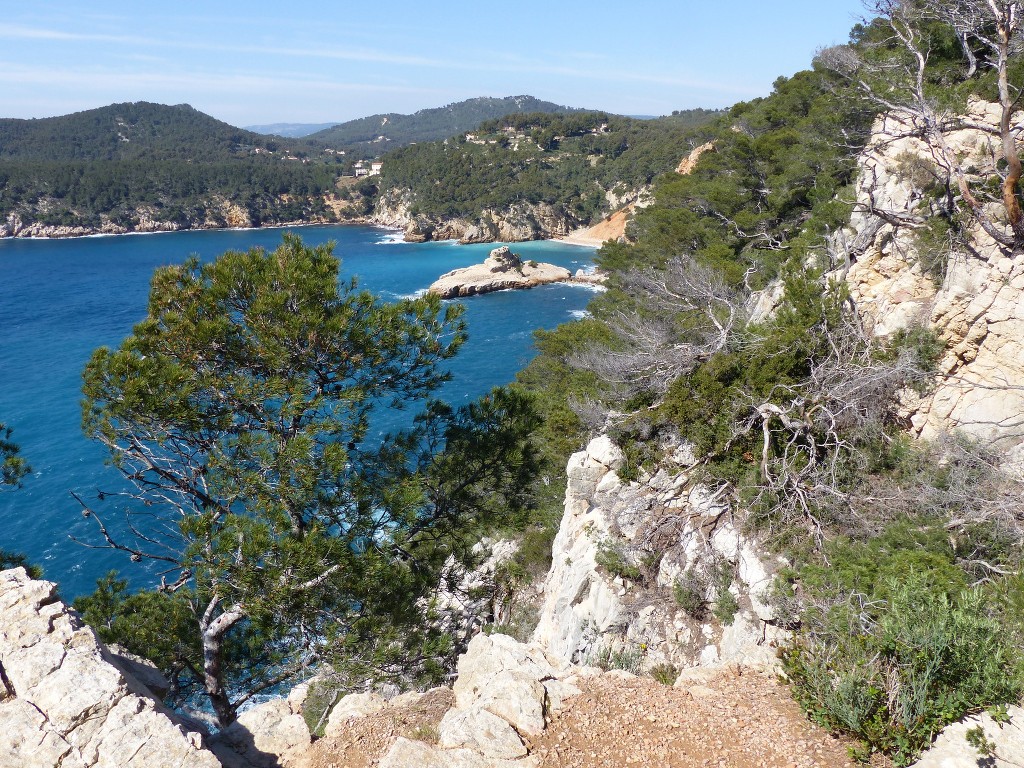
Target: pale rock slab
{"x": 405, "y": 753}
{"x": 352, "y": 706}
{"x": 951, "y": 749}
{"x": 268, "y": 735}
{"x": 64, "y": 702}
{"x": 481, "y": 731}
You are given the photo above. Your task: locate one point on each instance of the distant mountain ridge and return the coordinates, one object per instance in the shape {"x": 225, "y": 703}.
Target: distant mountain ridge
{"x": 378, "y": 133}
{"x": 129, "y": 131}
{"x": 291, "y": 130}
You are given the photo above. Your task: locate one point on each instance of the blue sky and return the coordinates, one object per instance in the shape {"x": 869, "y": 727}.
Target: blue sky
{"x": 301, "y": 61}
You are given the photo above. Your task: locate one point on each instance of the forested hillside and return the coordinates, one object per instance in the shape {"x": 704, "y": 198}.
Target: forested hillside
{"x": 134, "y": 165}
{"x": 130, "y": 131}
{"x": 373, "y": 135}
{"x": 569, "y": 161}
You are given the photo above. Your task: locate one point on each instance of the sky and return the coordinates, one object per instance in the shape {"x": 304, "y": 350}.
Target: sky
{"x": 301, "y": 61}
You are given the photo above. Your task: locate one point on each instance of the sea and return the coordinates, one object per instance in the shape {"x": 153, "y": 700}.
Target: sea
{"x": 61, "y": 299}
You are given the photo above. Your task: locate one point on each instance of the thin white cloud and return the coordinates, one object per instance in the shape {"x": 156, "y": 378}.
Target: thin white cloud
{"x": 198, "y": 82}
{"x": 472, "y": 63}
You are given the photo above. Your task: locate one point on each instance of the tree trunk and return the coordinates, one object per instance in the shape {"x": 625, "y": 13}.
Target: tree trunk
{"x": 213, "y": 660}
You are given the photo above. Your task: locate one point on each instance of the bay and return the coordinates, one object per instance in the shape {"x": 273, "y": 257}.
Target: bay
{"x": 60, "y": 299}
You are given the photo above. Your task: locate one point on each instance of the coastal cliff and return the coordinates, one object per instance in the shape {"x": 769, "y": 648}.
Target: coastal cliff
{"x": 213, "y": 213}
{"x": 518, "y": 223}
{"x": 971, "y": 292}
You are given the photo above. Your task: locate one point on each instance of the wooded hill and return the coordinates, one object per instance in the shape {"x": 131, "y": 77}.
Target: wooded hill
{"x": 376, "y": 134}
{"x": 569, "y": 160}
{"x": 176, "y": 165}
{"x": 133, "y": 131}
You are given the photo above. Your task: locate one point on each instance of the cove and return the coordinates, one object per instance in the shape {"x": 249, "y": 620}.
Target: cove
{"x": 60, "y": 299}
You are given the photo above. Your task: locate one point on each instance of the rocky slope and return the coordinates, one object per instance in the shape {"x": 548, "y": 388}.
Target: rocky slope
{"x": 518, "y": 223}
{"x": 662, "y": 534}
{"x": 64, "y": 701}
{"x": 216, "y": 213}
{"x": 977, "y": 306}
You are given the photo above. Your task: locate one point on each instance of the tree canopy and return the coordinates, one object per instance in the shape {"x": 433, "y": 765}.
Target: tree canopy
{"x": 240, "y": 413}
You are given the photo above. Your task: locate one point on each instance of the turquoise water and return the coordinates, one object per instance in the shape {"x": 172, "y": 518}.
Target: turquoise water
{"x": 60, "y": 299}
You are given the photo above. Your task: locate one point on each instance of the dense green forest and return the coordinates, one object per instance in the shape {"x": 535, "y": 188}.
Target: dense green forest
{"x": 568, "y": 160}
{"x": 132, "y": 131}
{"x": 175, "y": 162}
{"x": 78, "y": 193}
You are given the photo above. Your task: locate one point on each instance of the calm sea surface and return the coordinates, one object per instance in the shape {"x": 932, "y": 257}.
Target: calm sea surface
{"x": 61, "y": 299}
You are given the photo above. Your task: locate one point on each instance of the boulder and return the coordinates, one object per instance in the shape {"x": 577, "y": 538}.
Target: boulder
{"x": 482, "y": 731}
{"x": 350, "y": 707}
{"x": 268, "y": 735}
{"x": 951, "y": 749}
{"x": 504, "y": 677}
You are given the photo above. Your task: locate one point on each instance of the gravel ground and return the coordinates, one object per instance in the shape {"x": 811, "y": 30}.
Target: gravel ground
{"x": 739, "y": 719}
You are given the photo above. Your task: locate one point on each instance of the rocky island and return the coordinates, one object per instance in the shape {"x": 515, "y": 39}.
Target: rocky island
{"x": 502, "y": 270}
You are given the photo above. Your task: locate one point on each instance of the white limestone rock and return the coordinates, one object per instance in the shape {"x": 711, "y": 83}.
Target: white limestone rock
{"x": 350, "y": 707}
{"x": 504, "y": 677}
{"x": 500, "y": 271}
{"x": 65, "y": 704}
{"x": 268, "y": 735}
{"x": 951, "y": 749}
{"x": 405, "y": 753}
{"x": 481, "y": 731}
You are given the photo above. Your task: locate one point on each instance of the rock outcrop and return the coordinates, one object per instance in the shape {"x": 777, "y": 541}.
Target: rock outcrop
{"x": 972, "y": 295}
{"x": 517, "y": 223}
{"x": 663, "y": 535}
{"x": 63, "y": 702}
{"x": 500, "y": 271}
{"x": 951, "y": 748}
{"x": 688, "y": 163}
{"x": 504, "y": 694}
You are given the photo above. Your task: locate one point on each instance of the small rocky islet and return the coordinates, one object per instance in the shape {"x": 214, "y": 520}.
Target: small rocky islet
{"x": 504, "y": 270}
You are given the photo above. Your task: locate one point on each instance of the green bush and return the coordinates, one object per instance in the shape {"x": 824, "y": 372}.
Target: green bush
{"x": 627, "y": 659}
{"x": 611, "y": 556}
{"x": 894, "y": 672}
{"x": 690, "y": 592}
{"x": 666, "y": 674}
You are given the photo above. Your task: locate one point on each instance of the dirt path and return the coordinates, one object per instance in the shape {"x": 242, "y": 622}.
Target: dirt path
{"x": 738, "y": 720}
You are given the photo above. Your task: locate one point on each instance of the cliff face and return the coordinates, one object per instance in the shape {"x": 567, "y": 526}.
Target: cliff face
{"x": 212, "y": 213}
{"x": 665, "y": 536}
{"x": 517, "y": 223}
{"x": 978, "y": 307}
{"x": 63, "y": 702}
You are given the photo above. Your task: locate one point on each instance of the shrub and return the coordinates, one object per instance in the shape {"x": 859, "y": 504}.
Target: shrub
{"x": 690, "y": 591}
{"x": 606, "y": 657}
{"x": 611, "y": 556}
{"x": 894, "y": 672}
{"x": 666, "y": 674}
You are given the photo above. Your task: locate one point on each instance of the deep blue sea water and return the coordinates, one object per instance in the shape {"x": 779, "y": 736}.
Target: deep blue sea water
{"x": 60, "y": 299}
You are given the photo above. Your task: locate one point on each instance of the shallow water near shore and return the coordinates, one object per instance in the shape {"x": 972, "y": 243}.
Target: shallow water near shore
{"x": 60, "y": 299}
